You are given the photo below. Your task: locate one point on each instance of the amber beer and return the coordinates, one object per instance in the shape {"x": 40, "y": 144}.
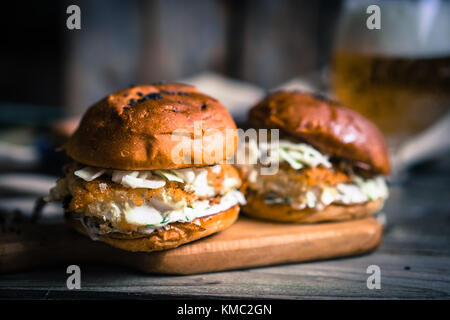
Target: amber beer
{"x": 399, "y": 75}
{"x": 403, "y": 95}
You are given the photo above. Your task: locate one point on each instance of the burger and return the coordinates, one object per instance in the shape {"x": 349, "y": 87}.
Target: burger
{"x": 129, "y": 183}
{"x": 331, "y": 161}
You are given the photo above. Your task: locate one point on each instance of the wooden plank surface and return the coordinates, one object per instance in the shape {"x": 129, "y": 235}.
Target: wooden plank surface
{"x": 343, "y": 278}
{"x": 414, "y": 261}
{"x": 247, "y": 243}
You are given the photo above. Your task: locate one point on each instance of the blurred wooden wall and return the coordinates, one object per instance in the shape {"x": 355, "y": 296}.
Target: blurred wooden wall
{"x": 265, "y": 42}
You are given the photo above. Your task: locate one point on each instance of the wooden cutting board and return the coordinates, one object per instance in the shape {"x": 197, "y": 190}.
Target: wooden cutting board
{"x": 248, "y": 243}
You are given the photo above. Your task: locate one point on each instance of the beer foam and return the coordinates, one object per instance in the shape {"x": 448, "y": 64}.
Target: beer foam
{"x": 408, "y": 29}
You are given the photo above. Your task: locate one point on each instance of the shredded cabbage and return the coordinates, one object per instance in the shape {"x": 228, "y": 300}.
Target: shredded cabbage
{"x": 147, "y": 182}
{"x": 304, "y": 154}
{"x": 286, "y": 156}
{"x": 89, "y": 173}
{"x": 372, "y": 188}
{"x": 297, "y": 155}
{"x": 195, "y": 178}
{"x": 171, "y": 176}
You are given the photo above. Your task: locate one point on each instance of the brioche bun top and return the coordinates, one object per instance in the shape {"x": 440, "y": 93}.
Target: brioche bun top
{"x": 132, "y": 129}
{"x": 326, "y": 125}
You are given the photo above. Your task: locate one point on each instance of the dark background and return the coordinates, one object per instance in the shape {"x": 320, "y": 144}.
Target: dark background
{"x": 123, "y": 42}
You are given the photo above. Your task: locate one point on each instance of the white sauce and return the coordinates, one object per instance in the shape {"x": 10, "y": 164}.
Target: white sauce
{"x": 148, "y": 217}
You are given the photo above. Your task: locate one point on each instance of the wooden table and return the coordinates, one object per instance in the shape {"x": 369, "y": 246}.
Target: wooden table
{"x": 414, "y": 261}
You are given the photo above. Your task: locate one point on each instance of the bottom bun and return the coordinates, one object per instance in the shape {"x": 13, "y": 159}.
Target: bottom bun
{"x": 257, "y": 208}
{"x": 174, "y": 235}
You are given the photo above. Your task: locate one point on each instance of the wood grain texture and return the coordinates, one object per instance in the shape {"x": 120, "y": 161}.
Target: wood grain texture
{"x": 414, "y": 259}
{"x": 248, "y": 243}
{"x": 329, "y": 279}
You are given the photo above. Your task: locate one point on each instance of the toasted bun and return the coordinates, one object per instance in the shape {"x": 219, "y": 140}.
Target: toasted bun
{"x": 177, "y": 233}
{"x": 256, "y": 208}
{"x": 132, "y": 129}
{"x": 326, "y": 125}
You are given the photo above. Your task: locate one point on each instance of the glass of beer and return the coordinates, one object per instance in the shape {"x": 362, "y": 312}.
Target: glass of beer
{"x": 398, "y": 75}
